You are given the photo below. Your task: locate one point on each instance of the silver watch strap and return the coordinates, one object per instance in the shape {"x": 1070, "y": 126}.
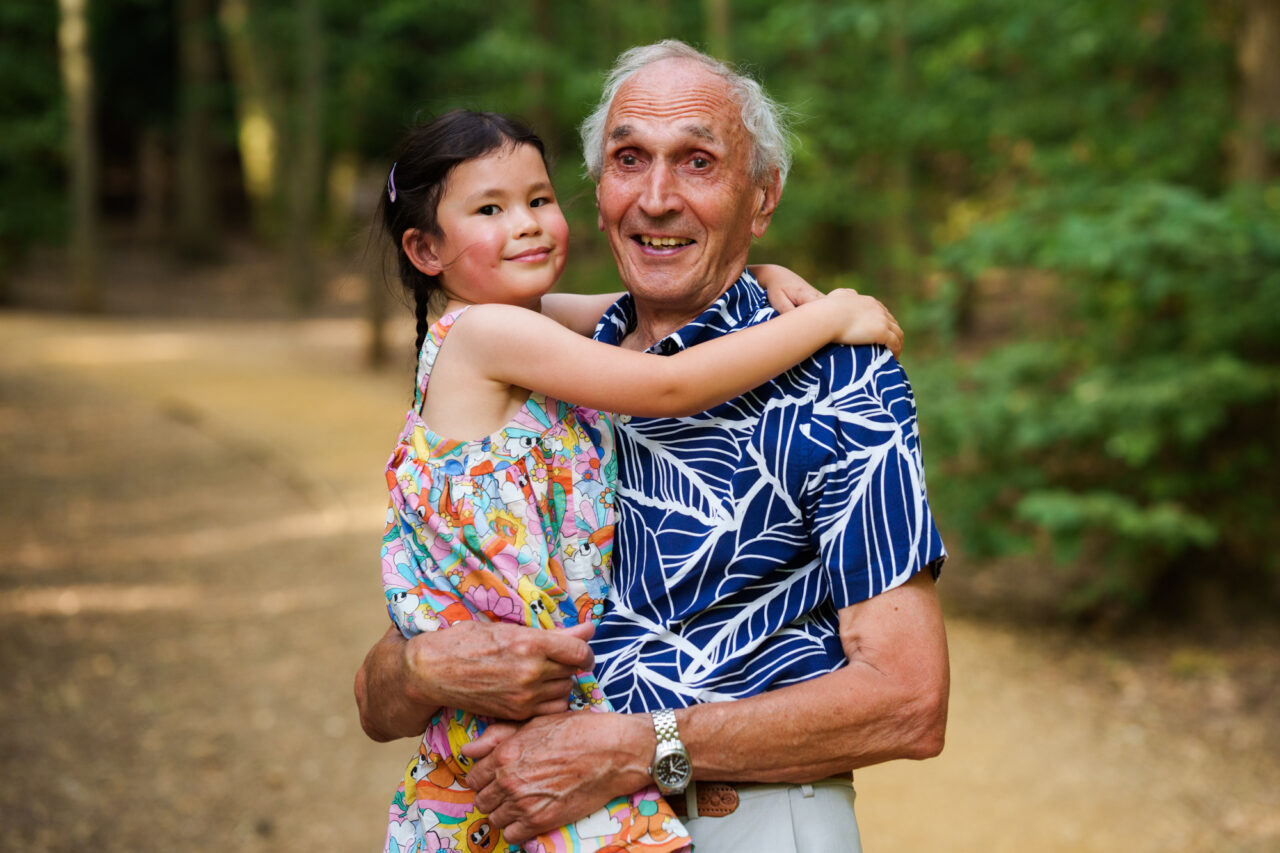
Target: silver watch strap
{"x": 664, "y": 723}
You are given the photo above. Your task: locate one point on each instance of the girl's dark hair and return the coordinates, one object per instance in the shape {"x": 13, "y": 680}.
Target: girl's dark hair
{"x": 426, "y": 156}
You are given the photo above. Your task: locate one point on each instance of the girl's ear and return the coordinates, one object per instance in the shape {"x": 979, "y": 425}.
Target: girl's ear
{"x": 418, "y": 249}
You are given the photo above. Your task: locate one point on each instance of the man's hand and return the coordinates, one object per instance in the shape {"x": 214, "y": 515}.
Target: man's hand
{"x": 555, "y": 770}
{"x": 491, "y": 668}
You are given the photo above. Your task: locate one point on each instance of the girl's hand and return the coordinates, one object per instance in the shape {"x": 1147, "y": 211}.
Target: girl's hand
{"x": 785, "y": 289}
{"x": 863, "y": 320}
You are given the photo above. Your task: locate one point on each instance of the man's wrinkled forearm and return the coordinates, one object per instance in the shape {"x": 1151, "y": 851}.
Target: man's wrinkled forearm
{"x": 890, "y": 702}
{"x": 387, "y": 712}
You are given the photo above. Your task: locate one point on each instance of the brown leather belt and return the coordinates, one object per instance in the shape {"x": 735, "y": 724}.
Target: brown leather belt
{"x": 715, "y": 799}
{"x": 718, "y": 799}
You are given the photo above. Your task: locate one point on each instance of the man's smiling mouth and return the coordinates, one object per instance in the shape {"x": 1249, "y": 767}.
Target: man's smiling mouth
{"x": 662, "y": 242}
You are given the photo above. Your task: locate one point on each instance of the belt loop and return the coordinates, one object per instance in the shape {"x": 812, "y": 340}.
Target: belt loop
{"x": 691, "y": 800}
{"x": 807, "y": 791}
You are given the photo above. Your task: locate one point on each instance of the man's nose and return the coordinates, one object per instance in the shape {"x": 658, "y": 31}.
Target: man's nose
{"x": 660, "y": 195}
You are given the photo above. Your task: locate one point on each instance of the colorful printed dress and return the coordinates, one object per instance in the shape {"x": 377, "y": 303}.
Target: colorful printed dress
{"x": 518, "y": 527}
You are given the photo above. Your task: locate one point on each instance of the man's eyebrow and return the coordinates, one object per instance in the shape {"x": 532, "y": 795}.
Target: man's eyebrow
{"x": 701, "y": 131}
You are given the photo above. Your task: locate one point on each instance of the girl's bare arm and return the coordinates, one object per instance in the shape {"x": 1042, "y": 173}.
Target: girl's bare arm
{"x": 581, "y": 312}
{"x": 528, "y": 350}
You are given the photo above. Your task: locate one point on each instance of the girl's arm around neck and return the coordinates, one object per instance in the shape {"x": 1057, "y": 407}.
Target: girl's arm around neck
{"x": 580, "y": 312}
{"x": 528, "y": 350}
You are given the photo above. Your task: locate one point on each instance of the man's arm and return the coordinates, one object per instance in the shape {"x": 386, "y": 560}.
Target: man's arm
{"x": 492, "y": 668}
{"x": 889, "y": 702}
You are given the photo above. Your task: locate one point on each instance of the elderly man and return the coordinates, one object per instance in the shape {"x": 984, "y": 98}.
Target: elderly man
{"x": 774, "y": 622}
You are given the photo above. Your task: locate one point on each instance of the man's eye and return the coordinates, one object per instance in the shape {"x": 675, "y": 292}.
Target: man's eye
{"x": 488, "y": 210}
{"x": 628, "y": 159}
{"x": 700, "y": 162}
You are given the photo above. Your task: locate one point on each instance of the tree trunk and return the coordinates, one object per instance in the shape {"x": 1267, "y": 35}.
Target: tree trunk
{"x": 718, "y": 18}
{"x": 151, "y": 186}
{"x": 1258, "y": 58}
{"x": 306, "y": 166}
{"x": 377, "y": 301}
{"x": 543, "y": 113}
{"x": 899, "y": 251}
{"x": 77, "y": 80}
{"x": 197, "y": 216}
{"x": 258, "y": 111}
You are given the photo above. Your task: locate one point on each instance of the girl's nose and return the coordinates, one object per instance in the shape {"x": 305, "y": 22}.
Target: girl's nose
{"x": 526, "y": 224}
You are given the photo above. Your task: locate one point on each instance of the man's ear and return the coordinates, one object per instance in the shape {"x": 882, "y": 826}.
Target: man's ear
{"x": 769, "y": 196}
{"x": 417, "y": 247}
{"x": 599, "y": 215}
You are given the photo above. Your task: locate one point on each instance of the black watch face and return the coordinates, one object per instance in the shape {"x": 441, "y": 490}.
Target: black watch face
{"x": 673, "y": 771}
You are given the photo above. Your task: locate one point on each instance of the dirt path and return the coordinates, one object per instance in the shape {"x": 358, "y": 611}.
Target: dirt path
{"x": 190, "y": 516}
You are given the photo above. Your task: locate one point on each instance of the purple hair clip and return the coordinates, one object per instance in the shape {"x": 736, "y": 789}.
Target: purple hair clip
{"x": 391, "y": 184}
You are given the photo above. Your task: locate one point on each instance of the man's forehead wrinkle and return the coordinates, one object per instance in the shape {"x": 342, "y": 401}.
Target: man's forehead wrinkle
{"x": 668, "y": 92}
{"x": 669, "y": 106}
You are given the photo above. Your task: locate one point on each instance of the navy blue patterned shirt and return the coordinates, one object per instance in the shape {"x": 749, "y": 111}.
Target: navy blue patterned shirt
{"x": 744, "y": 529}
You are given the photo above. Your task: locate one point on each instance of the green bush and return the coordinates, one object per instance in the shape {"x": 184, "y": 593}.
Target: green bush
{"x": 1131, "y": 427}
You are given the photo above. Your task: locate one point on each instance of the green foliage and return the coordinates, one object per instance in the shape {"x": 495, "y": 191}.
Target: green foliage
{"x": 31, "y": 112}
{"x": 1137, "y": 426}
{"x": 957, "y": 99}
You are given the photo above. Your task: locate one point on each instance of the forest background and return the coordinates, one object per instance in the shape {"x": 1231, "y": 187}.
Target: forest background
{"x": 1073, "y": 207}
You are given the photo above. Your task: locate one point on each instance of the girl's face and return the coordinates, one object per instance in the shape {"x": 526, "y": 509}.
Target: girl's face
{"x": 504, "y": 237}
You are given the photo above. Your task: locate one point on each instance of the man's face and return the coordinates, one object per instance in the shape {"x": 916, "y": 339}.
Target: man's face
{"x": 675, "y": 195}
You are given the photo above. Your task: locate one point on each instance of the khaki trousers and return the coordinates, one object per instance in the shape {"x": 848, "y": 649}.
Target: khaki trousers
{"x": 813, "y": 818}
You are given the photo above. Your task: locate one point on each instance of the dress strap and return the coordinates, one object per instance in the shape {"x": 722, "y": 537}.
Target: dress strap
{"x": 430, "y": 349}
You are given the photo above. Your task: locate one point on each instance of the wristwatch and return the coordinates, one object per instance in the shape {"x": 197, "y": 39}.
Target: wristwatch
{"x": 672, "y": 769}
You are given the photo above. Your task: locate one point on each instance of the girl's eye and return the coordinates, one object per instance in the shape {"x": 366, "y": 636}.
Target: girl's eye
{"x": 540, "y": 201}
{"x": 488, "y": 210}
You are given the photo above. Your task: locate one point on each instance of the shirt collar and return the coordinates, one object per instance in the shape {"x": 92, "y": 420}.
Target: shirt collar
{"x": 744, "y": 299}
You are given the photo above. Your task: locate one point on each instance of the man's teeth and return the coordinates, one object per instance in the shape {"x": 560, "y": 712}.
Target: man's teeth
{"x": 664, "y": 242}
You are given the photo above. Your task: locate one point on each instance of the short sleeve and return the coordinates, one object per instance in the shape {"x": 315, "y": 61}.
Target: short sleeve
{"x": 868, "y": 511}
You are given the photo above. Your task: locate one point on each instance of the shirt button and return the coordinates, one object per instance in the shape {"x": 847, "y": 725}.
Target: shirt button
{"x": 625, "y": 419}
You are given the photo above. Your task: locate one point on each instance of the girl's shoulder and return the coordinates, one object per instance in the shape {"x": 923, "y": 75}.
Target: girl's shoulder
{"x": 489, "y": 319}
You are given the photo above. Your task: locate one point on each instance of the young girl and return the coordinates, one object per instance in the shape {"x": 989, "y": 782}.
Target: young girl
{"x": 502, "y": 494}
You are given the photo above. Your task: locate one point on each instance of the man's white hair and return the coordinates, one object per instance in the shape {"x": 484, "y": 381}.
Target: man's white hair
{"x": 764, "y": 119}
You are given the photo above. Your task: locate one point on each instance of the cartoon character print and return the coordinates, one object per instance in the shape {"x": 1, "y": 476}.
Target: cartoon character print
{"x": 429, "y": 766}
{"x": 517, "y": 443}
{"x": 654, "y": 821}
{"x": 480, "y": 835}
{"x": 410, "y": 615}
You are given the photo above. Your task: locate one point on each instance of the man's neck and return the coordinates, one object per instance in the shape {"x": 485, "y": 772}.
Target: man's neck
{"x": 655, "y": 321}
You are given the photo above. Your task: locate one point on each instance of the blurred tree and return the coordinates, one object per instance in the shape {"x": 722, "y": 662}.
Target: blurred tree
{"x": 1257, "y": 147}
{"x": 198, "y": 236}
{"x": 33, "y": 147}
{"x": 259, "y": 109}
{"x": 82, "y": 151}
{"x": 718, "y": 28}
{"x": 305, "y": 164}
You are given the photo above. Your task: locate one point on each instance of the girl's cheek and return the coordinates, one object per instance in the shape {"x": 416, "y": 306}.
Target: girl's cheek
{"x": 560, "y": 229}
